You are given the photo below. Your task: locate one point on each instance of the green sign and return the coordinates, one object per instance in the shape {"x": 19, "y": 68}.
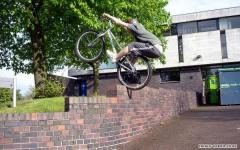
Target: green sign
{"x": 212, "y": 89}
{"x": 212, "y": 82}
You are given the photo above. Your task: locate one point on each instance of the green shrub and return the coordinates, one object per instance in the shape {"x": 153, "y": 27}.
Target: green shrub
{"x": 5, "y": 95}
{"x": 50, "y": 88}
{"x": 5, "y": 104}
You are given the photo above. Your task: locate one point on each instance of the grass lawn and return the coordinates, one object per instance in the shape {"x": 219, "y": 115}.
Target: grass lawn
{"x": 55, "y": 104}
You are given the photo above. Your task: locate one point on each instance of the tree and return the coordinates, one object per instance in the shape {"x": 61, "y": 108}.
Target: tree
{"x": 38, "y": 36}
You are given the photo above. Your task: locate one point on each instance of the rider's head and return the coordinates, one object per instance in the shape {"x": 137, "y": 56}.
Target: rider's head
{"x": 130, "y": 20}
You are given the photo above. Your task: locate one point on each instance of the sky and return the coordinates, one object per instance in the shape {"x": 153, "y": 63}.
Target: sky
{"x": 175, "y": 7}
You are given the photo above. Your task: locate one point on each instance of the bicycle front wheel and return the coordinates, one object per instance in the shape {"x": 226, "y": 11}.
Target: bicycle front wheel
{"x": 89, "y": 47}
{"x": 138, "y": 79}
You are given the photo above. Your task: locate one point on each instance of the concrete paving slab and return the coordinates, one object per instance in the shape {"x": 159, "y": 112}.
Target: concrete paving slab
{"x": 204, "y": 125}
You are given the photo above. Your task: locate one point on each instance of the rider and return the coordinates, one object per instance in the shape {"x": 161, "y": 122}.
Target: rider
{"x": 146, "y": 44}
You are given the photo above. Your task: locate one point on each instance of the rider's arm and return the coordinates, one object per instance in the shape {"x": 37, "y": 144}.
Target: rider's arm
{"x": 116, "y": 20}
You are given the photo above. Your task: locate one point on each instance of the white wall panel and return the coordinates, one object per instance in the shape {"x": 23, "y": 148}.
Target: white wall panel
{"x": 233, "y": 43}
{"x": 172, "y": 50}
{"x": 6, "y": 82}
{"x": 205, "y": 44}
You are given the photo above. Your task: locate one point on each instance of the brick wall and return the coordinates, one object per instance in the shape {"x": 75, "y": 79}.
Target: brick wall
{"x": 190, "y": 79}
{"x": 94, "y": 122}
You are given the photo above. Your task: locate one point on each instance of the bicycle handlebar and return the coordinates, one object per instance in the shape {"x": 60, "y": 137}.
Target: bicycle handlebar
{"x": 110, "y": 24}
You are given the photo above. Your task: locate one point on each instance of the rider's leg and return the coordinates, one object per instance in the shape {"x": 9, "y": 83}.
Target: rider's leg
{"x": 116, "y": 57}
{"x": 134, "y": 60}
{"x": 122, "y": 53}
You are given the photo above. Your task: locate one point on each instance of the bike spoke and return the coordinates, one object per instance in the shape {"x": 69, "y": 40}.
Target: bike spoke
{"x": 136, "y": 78}
{"x": 88, "y": 41}
{"x": 91, "y": 46}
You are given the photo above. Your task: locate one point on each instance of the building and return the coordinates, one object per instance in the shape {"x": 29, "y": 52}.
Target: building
{"x": 199, "y": 44}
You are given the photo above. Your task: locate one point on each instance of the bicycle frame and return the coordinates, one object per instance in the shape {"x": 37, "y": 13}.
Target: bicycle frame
{"x": 128, "y": 67}
{"x": 111, "y": 37}
{"x": 113, "y": 40}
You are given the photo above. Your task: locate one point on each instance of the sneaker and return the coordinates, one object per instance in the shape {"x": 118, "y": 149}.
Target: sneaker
{"x": 112, "y": 56}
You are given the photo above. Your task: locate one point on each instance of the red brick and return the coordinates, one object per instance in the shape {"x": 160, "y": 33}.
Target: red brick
{"x": 65, "y": 132}
{"x": 80, "y": 121}
{"x": 33, "y": 116}
{"x": 21, "y": 129}
{"x": 6, "y": 141}
{"x": 57, "y": 127}
{"x": 36, "y": 139}
{"x": 57, "y": 116}
{"x": 12, "y": 146}
{"x": 83, "y": 147}
{"x": 60, "y": 127}
{"x": 53, "y": 148}
{"x": 62, "y": 148}
{"x": 114, "y": 100}
{"x": 50, "y": 144}
{"x": 41, "y": 133}
{"x": 109, "y": 111}
{"x": 45, "y": 139}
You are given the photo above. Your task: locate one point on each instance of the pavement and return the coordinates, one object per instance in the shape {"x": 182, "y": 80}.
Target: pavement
{"x": 204, "y": 125}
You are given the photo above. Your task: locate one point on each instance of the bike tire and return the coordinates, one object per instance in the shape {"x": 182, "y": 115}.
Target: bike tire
{"x": 88, "y": 53}
{"x": 120, "y": 74}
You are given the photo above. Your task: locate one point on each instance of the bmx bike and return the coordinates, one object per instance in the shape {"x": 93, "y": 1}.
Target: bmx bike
{"x": 133, "y": 71}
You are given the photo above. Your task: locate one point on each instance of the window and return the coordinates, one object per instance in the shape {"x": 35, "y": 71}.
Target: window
{"x": 186, "y": 28}
{"x": 229, "y": 23}
{"x": 170, "y": 76}
{"x": 208, "y": 25}
{"x": 174, "y": 29}
{"x": 180, "y": 49}
{"x": 107, "y": 66}
{"x": 223, "y": 44}
{"x": 231, "y": 65}
{"x": 167, "y": 33}
{"x": 235, "y": 22}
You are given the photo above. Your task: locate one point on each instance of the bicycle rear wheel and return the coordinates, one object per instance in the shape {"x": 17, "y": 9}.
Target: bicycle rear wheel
{"x": 138, "y": 79}
{"x": 89, "y": 47}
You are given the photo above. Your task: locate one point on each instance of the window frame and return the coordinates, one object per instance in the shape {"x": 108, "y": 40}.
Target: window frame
{"x": 204, "y": 21}
{"x": 180, "y": 49}
{"x": 181, "y": 25}
{"x": 225, "y": 23}
{"x": 223, "y": 40}
{"x": 168, "y": 71}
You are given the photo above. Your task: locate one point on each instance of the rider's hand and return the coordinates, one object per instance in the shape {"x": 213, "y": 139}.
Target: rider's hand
{"x": 114, "y": 19}
{"x": 105, "y": 15}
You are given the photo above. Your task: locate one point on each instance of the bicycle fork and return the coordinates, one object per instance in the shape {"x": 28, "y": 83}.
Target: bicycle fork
{"x": 130, "y": 67}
